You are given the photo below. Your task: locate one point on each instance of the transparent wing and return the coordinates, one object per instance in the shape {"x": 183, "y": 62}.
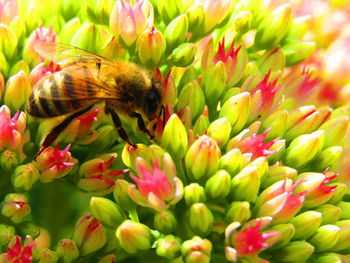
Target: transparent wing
{"x": 63, "y": 54}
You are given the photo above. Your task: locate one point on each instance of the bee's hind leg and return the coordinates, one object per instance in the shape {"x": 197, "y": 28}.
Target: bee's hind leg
{"x": 56, "y": 131}
{"x": 141, "y": 124}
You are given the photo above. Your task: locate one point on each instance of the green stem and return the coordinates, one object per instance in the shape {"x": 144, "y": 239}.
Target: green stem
{"x": 133, "y": 215}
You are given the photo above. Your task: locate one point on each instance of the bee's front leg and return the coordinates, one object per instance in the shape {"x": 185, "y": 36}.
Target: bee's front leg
{"x": 118, "y": 124}
{"x": 141, "y": 124}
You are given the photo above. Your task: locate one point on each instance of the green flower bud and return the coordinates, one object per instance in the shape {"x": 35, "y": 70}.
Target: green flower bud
{"x": 286, "y": 233}
{"x": 238, "y": 212}
{"x": 29, "y": 229}
{"x": 190, "y": 74}
{"x": 300, "y": 26}
{"x": 272, "y": 60}
{"x": 330, "y": 213}
{"x": 48, "y": 256}
{"x": 6, "y": 234}
{"x": 220, "y": 131}
{"x": 296, "y": 52}
{"x": 202, "y": 158}
{"x": 328, "y": 158}
{"x": 345, "y": 210}
{"x": 194, "y": 193}
{"x": 168, "y": 247}
{"x": 68, "y": 30}
{"x": 106, "y": 211}
{"x": 121, "y": 196}
{"x": 236, "y": 109}
{"x": 56, "y": 22}
{"x": 218, "y": 185}
{"x": 338, "y": 195}
{"x": 192, "y": 96}
{"x": 196, "y": 248}
{"x": 325, "y": 238}
{"x": 195, "y": 16}
{"x": 201, "y": 125}
{"x": 18, "y": 90}
{"x": 20, "y": 66}
{"x": 296, "y": 251}
{"x": 306, "y": 224}
{"x": 273, "y": 28}
{"x": 214, "y": 83}
{"x": 25, "y": 176}
{"x": 150, "y": 46}
{"x": 277, "y": 123}
{"x": 176, "y": 31}
{"x": 174, "y": 138}
{"x": 242, "y": 22}
{"x": 165, "y": 222}
{"x": 67, "y": 250}
{"x": 15, "y": 207}
{"x": 335, "y": 131}
{"x": 245, "y": 185}
{"x": 8, "y": 41}
{"x": 329, "y": 258}
{"x": 183, "y": 55}
{"x": 114, "y": 50}
{"x": 31, "y": 19}
{"x": 200, "y": 219}
{"x": 233, "y": 161}
{"x": 276, "y": 174}
{"x": 98, "y": 12}
{"x": 134, "y": 236}
{"x": 168, "y": 10}
{"x": 90, "y": 37}
{"x": 111, "y": 258}
{"x": 18, "y": 26}
{"x": 4, "y": 65}
{"x": 344, "y": 235}
{"x": 89, "y": 235}
{"x": 303, "y": 149}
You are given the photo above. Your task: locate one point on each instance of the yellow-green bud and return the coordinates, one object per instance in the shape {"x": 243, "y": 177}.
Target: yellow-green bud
{"x": 168, "y": 247}
{"x": 195, "y": 16}
{"x": 277, "y": 123}
{"x": 304, "y": 148}
{"x": 134, "y": 236}
{"x": 69, "y": 29}
{"x": 200, "y": 219}
{"x": 233, "y": 161}
{"x": 4, "y": 65}
{"x": 286, "y": 233}
{"x": 273, "y": 28}
{"x": 99, "y": 11}
{"x": 121, "y": 196}
{"x": 342, "y": 189}
{"x": 202, "y": 158}
{"x": 242, "y": 22}
{"x": 194, "y": 193}
{"x": 345, "y": 209}
{"x": 165, "y": 222}
{"x": 29, "y": 229}
{"x": 8, "y": 41}
{"x": 67, "y": 250}
{"x": 201, "y": 125}
{"x": 344, "y": 235}
{"x": 329, "y": 258}
{"x": 218, "y": 185}
{"x": 335, "y": 130}
{"x": 220, "y": 131}
{"x": 168, "y": 10}
{"x": 20, "y": 66}
{"x": 15, "y": 207}
{"x": 9, "y": 160}
{"x": 110, "y": 258}
{"x": 183, "y": 55}
{"x": 106, "y": 211}
{"x": 196, "y": 250}
{"x": 245, "y": 185}
{"x": 192, "y": 96}
{"x": 330, "y": 213}
{"x": 48, "y": 256}
{"x": 18, "y": 90}
{"x": 6, "y": 234}
{"x": 325, "y": 238}
{"x": 19, "y": 28}
{"x": 238, "y": 212}
{"x": 176, "y": 31}
{"x": 297, "y": 52}
{"x": 297, "y": 251}
{"x": 174, "y": 138}
{"x": 236, "y": 109}
{"x": 25, "y": 176}
{"x": 276, "y": 174}
{"x": 328, "y": 158}
{"x": 272, "y": 60}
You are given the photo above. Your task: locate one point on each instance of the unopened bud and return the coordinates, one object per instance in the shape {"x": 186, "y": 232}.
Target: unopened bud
{"x": 67, "y": 250}
{"x": 238, "y": 212}
{"x": 168, "y": 247}
{"x": 165, "y": 222}
{"x": 106, "y": 211}
{"x": 218, "y": 185}
{"x": 200, "y": 219}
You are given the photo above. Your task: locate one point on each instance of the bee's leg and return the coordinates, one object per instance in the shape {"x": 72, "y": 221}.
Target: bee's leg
{"x": 120, "y": 129}
{"x": 141, "y": 124}
{"x": 56, "y": 131}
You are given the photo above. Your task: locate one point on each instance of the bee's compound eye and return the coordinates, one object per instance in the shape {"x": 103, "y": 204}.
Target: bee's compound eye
{"x": 152, "y": 100}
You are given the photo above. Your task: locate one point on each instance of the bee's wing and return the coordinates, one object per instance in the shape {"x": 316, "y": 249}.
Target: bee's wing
{"x": 63, "y": 54}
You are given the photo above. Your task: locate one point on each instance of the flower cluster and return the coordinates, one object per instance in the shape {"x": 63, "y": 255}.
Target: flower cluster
{"x": 246, "y": 160}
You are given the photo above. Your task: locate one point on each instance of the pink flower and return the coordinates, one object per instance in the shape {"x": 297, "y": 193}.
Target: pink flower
{"x": 18, "y": 253}
{"x": 97, "y": 176}
{"x": 129, "y": 21}
{"x": 169, "y": 87}
{"x": 156, "y": 189}
{"x": 8, "y": 10}
{"x": 12, "y": 131}
{"x": 255, "y": 145}
{"x": 42, "y": 70}
{"x": 54, "y": 163}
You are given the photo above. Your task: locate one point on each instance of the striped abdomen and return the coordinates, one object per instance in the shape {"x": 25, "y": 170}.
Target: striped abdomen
{"x": 59, "y": 94}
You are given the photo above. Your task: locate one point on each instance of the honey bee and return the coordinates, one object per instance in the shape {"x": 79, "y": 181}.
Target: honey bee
{"x": 87, "y": 79}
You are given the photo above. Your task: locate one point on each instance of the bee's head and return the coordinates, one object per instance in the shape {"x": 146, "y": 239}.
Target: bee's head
{"x": 153, "y": 99}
